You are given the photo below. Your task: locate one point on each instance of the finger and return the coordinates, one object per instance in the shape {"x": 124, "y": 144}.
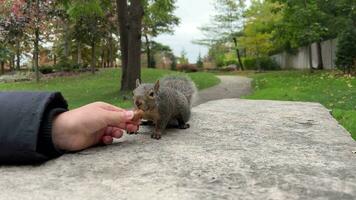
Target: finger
{"x": 107, "y": 140}
{"x": 108, "y": 130}
{"x": 113, "y": 132}
{"x": 132, "y": 128}
{"x": 109, "y": 107}
{"x": 117, "y": 118}
{"x": 117, "y": 133}
{"x": 138, "y": 122}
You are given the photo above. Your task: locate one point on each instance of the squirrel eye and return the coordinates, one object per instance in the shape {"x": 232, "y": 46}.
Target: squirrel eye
{"x": 151, "y": 94}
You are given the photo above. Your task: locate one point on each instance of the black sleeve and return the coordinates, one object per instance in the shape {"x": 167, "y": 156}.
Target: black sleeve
{"x": 25, "y": 126}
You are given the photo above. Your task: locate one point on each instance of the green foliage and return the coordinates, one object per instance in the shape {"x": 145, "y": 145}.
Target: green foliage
{"x": 224, "y": 27}
{"x": 335, "y": 92}
{"x": 183, "y": 58}
{"x": 87, "y": 88}
{"x": 265, "y": 62}
{"x": 46, "y": 69}
{"x": 159, "y": 17}
{"x": 174, "y": 63}
{"x": 5, "y": 53}
{"x": 85, "y": 8}
{"x": 159, "y": 48}
{"x": 261, "y": 20}
{"x": 346, "y": 49}
{"x": 200, "y": 63}
{"x": 230, "y": 62}
{"x": 225, "y": 24}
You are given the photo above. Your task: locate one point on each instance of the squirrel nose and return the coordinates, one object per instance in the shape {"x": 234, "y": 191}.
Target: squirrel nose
{"x": 138, "y": 103}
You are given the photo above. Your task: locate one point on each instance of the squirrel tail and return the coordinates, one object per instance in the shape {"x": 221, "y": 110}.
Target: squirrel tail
{"x": 182, "y": 84}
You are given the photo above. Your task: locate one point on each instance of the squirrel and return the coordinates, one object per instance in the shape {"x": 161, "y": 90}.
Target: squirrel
{"x": 169, "y": 100}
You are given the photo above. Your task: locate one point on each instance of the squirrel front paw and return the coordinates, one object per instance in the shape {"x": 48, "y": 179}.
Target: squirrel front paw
{"x": 184, "y": 126}
{"x": 156, "y": 136}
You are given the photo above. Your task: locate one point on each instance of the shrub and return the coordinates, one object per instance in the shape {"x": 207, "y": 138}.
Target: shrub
{"x": 46, "y": 69}
{"x": 65, "y": 66}
{"x": 70, "y": 66}
{"x": 346, "y": 51}
{"x": 187, "y": 68}
{"x": 231, "y": 62}
{"x": 250, "y": 63}
{"x": 266, "y": 63}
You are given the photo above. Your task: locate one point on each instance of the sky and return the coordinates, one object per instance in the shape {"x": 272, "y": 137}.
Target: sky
{"x": 193, "y": 14}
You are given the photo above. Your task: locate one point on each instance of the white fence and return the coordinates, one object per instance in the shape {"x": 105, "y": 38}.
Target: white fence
{"x": 300, "y": 60}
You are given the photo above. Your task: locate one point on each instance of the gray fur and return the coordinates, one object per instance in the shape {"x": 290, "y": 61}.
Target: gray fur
{"x": 173, "y": 98}
{"x": 182, "y": 84}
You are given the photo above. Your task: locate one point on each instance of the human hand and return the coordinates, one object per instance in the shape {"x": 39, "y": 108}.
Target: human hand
{"x": 90, "y": 125}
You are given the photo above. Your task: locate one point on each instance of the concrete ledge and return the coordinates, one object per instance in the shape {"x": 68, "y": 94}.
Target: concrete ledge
{"x": 235, "y": 149}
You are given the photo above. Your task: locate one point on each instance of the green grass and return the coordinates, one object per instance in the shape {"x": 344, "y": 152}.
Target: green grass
{"x": 336, "y": 92}
{"x": 103, "y": 86}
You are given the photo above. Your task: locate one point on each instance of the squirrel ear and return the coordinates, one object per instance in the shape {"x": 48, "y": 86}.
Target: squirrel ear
{"x": 138, "y": 82}
{"x": 156, "y": 88}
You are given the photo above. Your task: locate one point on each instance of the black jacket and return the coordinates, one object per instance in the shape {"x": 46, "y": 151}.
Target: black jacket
{"x": 25, "y": 126}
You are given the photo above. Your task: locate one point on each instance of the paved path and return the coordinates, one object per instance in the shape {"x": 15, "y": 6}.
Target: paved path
{"x": 230, "y": 87}
{"x": 235, "y": 149}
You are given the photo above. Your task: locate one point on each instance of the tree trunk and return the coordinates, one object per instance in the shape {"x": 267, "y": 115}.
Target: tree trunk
{"x": 320, "y": 56}
{"x": 110, "y": 52}
{"x": 122, "y": 14}
{"x": 12, "y": 63}
{"x": 102, "y": 59}
{"x": 54, "y": 59}
{"x": 36, "y": 41}
{"x": 18, "y": 54}
{"x": 238, "y": 54}
{"x": 136, "y": 13}
{"x": 107, "y": 60}
{"x": 309, "y": 45}
{"x": 79, "y": 54}
{"x": 2, "y": 67}
{"x": 36, "y": 50}
{"x": 148, "y": 51}
{"x": 310, "y": 58}
{"x": 66, "y": 41}
{"x": 93, "y": 57}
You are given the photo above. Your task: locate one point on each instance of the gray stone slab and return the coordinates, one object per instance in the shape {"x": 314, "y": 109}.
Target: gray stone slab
{"x": 235, "y": 149}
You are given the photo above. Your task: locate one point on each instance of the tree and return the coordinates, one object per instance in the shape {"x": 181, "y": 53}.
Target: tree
{"x": 130, "y": 25}
{"x": 4, "y": 56}
{"x": 62, "y": 32}
{"x": 13, "y": 24}
{"x": 183, "y": 58}
{"x": 260, "y": 22}
{"x": 35, "y": 14}
{"x": 200, "y": 63}
{"x": 226, "y": 25}
{"x": 303, "y": 24}
{"x": 346, "y": 51}
{"x": 88, "y": 17}
{"x": 158, "y": 18}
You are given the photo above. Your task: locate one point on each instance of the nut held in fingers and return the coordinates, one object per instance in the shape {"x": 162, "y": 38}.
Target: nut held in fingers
{"x": 138, "y": 114}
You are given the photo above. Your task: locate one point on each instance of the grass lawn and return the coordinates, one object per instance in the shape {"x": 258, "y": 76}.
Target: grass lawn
{"x": 103, "y": 86}
{"x": 337, "y": 93}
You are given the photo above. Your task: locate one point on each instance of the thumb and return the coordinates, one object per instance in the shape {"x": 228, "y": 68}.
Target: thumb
{"x": 117, "y": 118}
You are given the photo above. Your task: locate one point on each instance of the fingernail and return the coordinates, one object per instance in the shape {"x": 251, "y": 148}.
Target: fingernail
{"x": 129, "y": 114}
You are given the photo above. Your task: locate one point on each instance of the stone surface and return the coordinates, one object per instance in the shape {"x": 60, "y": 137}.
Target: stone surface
{"x": 235, "y": 149}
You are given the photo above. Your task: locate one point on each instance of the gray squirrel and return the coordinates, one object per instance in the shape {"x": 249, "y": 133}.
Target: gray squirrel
{"x": 169, "y": 99}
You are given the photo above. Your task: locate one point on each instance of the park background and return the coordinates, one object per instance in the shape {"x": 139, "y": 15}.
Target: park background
{"x": 93, "y": 50}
